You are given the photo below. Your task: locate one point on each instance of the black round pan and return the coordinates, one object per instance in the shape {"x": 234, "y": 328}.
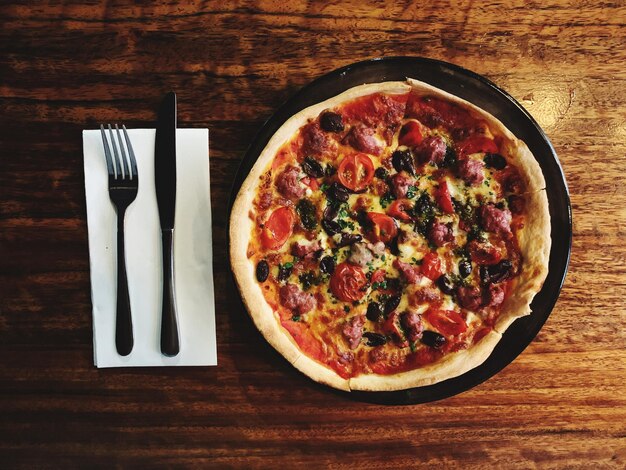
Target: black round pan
{"x": 483, "y": 93}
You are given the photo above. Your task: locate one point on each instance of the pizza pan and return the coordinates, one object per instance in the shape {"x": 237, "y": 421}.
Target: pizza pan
{"x": 485, "y": 94}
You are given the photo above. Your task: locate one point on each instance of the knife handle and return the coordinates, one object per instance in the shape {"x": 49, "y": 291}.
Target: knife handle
{"x": 169, "y": 329}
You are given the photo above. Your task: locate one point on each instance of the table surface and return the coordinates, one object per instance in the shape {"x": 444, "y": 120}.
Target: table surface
{"x": 65, "y": 67}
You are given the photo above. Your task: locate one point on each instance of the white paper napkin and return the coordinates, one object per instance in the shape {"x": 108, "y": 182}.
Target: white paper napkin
{"x": 193, "y": 263}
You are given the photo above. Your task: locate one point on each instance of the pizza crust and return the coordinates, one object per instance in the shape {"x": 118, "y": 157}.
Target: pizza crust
{"x": 320, "y": 373}
{"x": 534, "y": 245}
{"x": 266, "y": 321}
{"x": 449, "y": 366}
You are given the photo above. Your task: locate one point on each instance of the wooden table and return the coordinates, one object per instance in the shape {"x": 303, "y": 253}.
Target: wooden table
{"x": 65, "y": 67}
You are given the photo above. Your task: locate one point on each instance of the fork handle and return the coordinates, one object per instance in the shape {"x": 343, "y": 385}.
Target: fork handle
{"x": 123, "y": 322}
{"x": 170, "y": 345}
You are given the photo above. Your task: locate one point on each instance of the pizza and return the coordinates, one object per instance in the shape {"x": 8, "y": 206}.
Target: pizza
{"x": 387, "y": 237}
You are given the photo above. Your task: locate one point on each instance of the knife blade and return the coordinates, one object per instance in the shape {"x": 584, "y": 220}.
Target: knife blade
{"x": 165, "y": 183}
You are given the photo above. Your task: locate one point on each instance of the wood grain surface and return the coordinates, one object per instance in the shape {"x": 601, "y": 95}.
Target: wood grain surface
{"x": 66, "y": 66}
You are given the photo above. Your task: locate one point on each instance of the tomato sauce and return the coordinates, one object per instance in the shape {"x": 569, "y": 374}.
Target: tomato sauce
{"x": 435, "y": 112}
{"x": 302, "y": 336}
{"x": 413, "y": 360}
{"x": 376, "y": 109}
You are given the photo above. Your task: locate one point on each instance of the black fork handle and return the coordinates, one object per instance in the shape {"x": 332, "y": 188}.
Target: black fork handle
{"x": 123, "y": 322}
{"x": 170, "y": 345}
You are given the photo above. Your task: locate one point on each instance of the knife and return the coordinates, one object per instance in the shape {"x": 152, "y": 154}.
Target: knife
{"x": 165, "y": 182}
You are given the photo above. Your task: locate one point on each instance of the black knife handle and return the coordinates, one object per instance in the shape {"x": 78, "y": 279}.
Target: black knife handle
{"x": 170, "y": 345}
{"x": 123, "y": 321}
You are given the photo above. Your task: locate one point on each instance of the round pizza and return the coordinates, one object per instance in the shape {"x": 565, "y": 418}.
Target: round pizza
{"x": 387, "y": 237}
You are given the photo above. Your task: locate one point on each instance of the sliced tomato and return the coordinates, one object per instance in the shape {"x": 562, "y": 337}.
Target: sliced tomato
{"x": 383, "y": 285}
{"x": 410, "y": 134}
{"x": 311, "y": 183}
{"x": 484, "y": 252}
{"x": 476, "y": 144}
{"x": 443, "y": 198}
{"x": 480, "y": 334}
{"x": 278, "y": 228}
{"x": 447, "y": 322}
{"x": 356, "y": 171}
{"x": 424, "y": 356}
{"x": 384, "y": 228}
{"x": 400, "y": 209}
{"x": 378, "y": 276}
{"x": 431, "y": 266}
{"x": 348, "y": 282}
{"x": 392, "y": 328}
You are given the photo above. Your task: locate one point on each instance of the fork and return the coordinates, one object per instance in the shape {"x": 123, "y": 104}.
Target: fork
{"x": 123, "y": 185}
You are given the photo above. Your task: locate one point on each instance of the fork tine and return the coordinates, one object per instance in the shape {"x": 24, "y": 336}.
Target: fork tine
{"x": 123, "y": 158}
{"x": 107, "y": 153}
{"x": 116, "y": 160}
{"x": 131, "y": 154}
